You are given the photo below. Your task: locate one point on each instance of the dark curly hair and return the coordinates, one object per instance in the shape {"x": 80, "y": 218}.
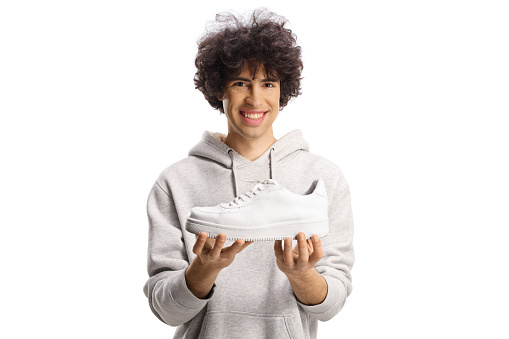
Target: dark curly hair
{"x": 260, "y": 40}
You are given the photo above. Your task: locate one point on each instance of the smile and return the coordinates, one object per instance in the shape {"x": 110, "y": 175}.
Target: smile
{"x": 253, "y": 117}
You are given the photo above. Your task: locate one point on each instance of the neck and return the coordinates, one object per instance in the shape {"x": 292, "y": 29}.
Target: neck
{"x": 250, "y": 148}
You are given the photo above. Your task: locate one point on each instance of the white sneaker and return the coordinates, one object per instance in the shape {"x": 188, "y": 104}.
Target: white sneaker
{"x": 268, "y": 212}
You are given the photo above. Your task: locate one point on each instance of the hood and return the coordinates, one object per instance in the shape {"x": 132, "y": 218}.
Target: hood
{"x": 212, "y": 147}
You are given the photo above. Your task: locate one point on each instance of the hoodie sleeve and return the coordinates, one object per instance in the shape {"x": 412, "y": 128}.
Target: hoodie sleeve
{"x": 166, "y": 289}
{"x": 338, "y": 257}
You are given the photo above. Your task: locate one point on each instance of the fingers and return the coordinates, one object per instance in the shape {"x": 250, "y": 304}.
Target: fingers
{"x": 317, "y": 249}
{"x": 246, "y": 244}
{"x": 287, "y": 252}
{"x": 201, "y": 239}
{"x": 218, "y": 245}
{"x": 302, "y": 244}
{"x": 209, "y": 244}
{"x": 235, "y": 248}
{"x": 278, "y": 250}
{"x": 310, "y": 246}
{"x": 238, "y": 246}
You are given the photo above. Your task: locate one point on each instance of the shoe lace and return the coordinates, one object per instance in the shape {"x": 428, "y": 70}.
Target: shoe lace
{"x": 260, "y": 186}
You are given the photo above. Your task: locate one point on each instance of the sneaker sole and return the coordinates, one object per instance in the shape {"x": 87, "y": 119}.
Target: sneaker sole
{"x": 265, "y": 233}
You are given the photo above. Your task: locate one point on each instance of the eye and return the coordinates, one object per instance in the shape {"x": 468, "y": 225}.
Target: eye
{"x": 269, "y": 84}
{"x": 239, "y": 84}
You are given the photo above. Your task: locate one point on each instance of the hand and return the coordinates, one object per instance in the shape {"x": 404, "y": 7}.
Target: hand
{"x": 211, "y": 254}
{"x": 302, "y": 258}
{"x": 210, "y": 259}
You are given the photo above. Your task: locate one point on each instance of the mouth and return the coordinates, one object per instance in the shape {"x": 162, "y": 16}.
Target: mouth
{"x": 253, "y": 117}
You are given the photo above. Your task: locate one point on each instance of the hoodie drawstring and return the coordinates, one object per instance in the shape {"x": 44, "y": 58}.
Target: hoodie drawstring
{"x": 234, "y": 168}
{"x": 271, "y": 163}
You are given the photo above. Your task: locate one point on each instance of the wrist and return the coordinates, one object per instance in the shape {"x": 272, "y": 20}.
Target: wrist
{"x": 310, "y": 287}
{"x": 199, "y": 279}
{"x": 303, "y": 277}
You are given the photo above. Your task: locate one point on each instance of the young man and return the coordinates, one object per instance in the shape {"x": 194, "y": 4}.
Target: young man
{"x": 211, "y": 288}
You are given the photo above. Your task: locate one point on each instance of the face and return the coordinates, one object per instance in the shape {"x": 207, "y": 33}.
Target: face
{"x": 251, "y": 105}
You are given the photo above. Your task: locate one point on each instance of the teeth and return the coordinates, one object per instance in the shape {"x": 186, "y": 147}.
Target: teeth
{"x": 254, "y": 116}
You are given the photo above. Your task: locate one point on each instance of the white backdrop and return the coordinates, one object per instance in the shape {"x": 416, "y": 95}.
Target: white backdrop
{"x": 409, "y": 98}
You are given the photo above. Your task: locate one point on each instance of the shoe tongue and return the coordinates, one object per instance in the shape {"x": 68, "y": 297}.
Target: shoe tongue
{"x": 274, "y": 182}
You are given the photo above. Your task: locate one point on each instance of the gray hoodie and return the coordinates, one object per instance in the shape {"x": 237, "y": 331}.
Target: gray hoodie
{"x": 251, "y": 298}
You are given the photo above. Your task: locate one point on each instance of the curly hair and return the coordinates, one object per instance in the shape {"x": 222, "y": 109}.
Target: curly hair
{"x": 260, "y": 40}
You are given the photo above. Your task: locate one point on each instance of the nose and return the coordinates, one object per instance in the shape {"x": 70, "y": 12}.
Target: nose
{"x": 253, "y": 97}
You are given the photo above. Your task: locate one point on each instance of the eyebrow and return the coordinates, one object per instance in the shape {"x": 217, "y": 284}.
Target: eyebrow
{"x": 249, "y": 80}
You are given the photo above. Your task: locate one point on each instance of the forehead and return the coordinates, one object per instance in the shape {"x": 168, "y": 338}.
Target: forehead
{"x": 255, "y": 71}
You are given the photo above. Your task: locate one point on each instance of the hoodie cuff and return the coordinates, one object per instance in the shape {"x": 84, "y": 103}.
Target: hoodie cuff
{"x": 336, "y": 295}
{"x": 183, "y": 296}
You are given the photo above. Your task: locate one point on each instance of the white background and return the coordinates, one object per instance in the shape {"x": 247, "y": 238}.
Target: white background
{"x": 409, "y": 98}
